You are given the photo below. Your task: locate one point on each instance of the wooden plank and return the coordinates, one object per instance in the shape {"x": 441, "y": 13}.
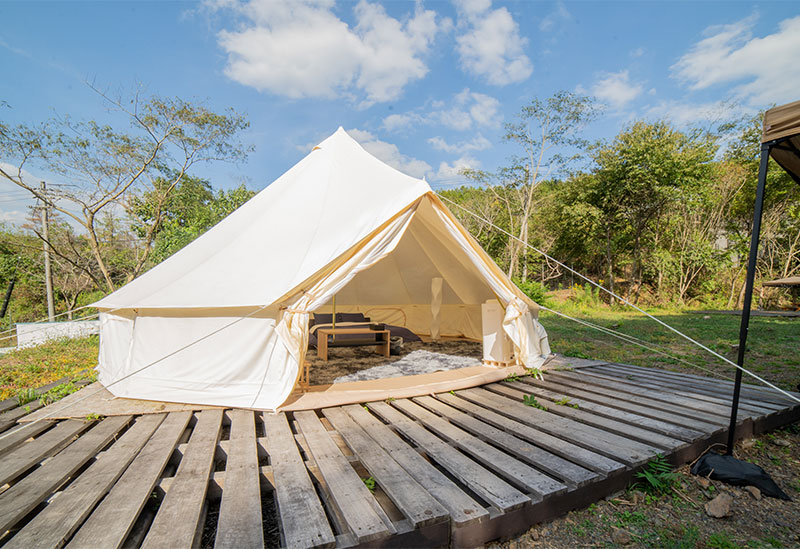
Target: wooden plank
{"x": 180, "y": 514}
{"x": 707, "y": 390}
{"x": 658, "y": 399}
{"x": 22, "y": 497}
{"x": 757, "y": 393}
{"x": 643, "y": 428}
{"x": 597, "y": 440}
{"x": 577, "y": 454}
{"x": 416, "y": 504}
{"x": 493, "y": 489}
{"x": 553, "y": 465}
{"x": 29, "y": 454}
{"x": 747, "y": 387}
{"x": 363, "y": 515}
{"x": 462, "y": 508}
{"x": 302, "y": 518}
{"x": 240, "y": 523}
{"x": 501, "y": 463}
{"x": 23, "y": 432}
{"x": 518, "y": 391}
{"x": 56, "y": 522}
{"x": 653, "y": 440}
{"x": 9, "y": 419}
{"x": 110, "y": 523}
{"x": 674, "y": 424}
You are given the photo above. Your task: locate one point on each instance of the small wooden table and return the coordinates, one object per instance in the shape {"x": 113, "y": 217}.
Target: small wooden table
{"x": 381, "y": 335}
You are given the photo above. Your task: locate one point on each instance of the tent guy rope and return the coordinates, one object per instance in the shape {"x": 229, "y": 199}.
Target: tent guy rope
{"x": 633, "y": 341}
{"x": 622, "y": 299}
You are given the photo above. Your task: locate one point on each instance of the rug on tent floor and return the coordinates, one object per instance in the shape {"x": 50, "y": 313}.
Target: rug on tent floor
{"x": 414, "y": 363}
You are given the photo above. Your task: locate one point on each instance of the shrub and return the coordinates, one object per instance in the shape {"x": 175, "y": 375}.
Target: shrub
{"x": 534, "y": 290}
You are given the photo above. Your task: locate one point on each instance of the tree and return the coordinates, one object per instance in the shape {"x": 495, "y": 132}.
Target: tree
{"x": 101, "y": 169}
{"x": 647, "y": 167}
{"x": 779, "y": 248}
{"x": 547, "y": 131}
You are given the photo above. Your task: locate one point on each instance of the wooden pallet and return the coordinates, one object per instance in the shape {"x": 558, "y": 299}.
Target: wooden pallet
{"x": 456, "y": 469}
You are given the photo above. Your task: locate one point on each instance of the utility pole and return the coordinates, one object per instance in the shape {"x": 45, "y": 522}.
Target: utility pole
{"x": 48, "y": 278}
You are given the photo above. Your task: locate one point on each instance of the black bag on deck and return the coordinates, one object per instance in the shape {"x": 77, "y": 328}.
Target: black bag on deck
{"x": 738, "y": 473}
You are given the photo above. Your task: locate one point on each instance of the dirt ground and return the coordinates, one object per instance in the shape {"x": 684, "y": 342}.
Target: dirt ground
{"x": 347, "y": 360}
{"x": 678, "y": 519}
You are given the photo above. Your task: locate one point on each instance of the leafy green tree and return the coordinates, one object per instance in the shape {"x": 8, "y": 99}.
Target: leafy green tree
{"x": 100, "y": 169}
{"x": 648, "y": 167}
{"x": 547, "y": 133}
{"x": 779, "y": 250}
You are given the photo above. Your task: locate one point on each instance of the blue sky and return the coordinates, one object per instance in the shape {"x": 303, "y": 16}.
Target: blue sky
{"x": 425, "y": 86}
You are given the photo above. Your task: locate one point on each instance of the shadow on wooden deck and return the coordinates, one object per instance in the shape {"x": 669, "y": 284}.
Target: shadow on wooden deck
{"x": 458, "y": 469}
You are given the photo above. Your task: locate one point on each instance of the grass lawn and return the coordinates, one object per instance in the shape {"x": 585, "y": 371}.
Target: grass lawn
{"x": 37, "y": 366}
{"x": 773, "y": 344}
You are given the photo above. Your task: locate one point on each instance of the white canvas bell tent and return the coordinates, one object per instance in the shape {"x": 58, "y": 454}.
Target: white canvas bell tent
{"x": 225, "y": 320}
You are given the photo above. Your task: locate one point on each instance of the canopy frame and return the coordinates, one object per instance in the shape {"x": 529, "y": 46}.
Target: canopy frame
{"x": 784, "y": 144}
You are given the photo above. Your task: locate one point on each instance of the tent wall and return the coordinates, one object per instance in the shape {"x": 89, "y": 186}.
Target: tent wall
{"x": 225, "y": 320}
{"x": 209, "y": 356}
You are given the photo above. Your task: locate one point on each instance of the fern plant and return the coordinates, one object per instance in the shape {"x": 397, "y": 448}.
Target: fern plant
{"x": 657, "y": 477}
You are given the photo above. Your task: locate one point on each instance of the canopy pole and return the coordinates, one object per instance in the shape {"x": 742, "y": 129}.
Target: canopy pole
{"x": 748, "y": 290}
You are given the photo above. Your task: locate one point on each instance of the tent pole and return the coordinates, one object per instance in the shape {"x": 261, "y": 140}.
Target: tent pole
{"x": 748, "y": 291}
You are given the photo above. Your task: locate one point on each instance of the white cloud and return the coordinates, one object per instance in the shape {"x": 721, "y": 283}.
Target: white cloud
{"x": 302, "y": 49}
{"x": 478, "y": 143}
{"x": 560, "y": 13}
{"x": 490, "y": 45}
{"x": 468, "y": 109}
{"x": 389, "y": 153}
{"x": 687, "y": 114}
{"x": 451, "y": 172}
{"x": 616, "y": 89}
{"x": 767, "y": 67}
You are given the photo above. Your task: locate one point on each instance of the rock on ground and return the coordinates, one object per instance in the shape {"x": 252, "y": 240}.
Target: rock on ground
{"x": 720, "y": 506}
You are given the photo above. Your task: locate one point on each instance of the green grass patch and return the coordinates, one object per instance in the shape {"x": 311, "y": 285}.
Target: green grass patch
{"x": 36, "y": 366}
{"x": 771, "y": 344}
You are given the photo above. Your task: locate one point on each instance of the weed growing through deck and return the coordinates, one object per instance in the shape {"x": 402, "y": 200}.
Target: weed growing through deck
{"x": 369, "y": 482}
{"x": 512, "y": 377}
{"x": 536, "y": 373}
{"x": 93, "y": 417}
{"x": 58, "y": 392}
{"x": 530, "y": 400}
{"x": 566, "y": 402}
{"x": 25, "y": 396}
{"x": 657, "y": 477}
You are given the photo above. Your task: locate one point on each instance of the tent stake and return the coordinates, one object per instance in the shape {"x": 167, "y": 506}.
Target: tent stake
{"x": 748, "y": 291}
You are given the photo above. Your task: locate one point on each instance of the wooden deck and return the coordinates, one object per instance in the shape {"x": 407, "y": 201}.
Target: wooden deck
{"x": 457, "y": 469}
